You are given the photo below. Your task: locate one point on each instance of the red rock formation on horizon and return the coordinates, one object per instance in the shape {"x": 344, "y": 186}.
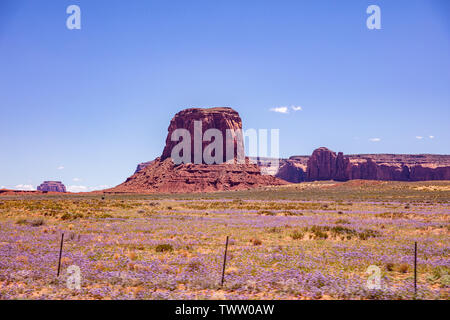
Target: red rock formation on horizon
{"x": 52, "y": 186}
{"x": 165, "y": 176}
{"x": 162, "y": 175}
{"x": 324, "y": 164}
{"x": 292, "y": 171}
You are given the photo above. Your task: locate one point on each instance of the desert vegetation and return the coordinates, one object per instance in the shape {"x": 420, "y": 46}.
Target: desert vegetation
{"x": 305, "y": 241}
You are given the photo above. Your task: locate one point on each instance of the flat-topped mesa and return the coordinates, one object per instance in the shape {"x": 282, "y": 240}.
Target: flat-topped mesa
{"x": 198, "y": 120}
{"x": 52, "y": 186}
{"x": 325, "y": 164}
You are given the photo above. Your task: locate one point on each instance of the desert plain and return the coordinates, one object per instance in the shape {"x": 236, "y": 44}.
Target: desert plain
{"x": 312, "y": 240}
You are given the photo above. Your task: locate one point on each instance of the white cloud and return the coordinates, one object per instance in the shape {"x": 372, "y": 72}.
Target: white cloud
{"x": 431, "y": 137}
{"x": 60, "y": 168}
{"x": 86, "y": 188}
{"x": 77, "y": 189}
{"x": 419, "y": 137}
{"x": 375, "y": 139}
{"x": 76, "y": 179}
{"x": 280, "y": 110}
{"x": 2, "y": 187}
{"x": 25, "y": 187}
{"x": 285, "y": 109}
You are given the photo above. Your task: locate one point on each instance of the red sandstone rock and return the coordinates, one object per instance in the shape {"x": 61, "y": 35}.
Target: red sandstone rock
{"x": 142, "y": 166}
{"x": 162, "y": 175}
{"x": 326, "y": 165}
{"x": 165, "y": 176}
{"x": 322, "y": 165}
{"x": 212, "y": 118}
{"x": 52, "y": 186}
{"x": 292, "y": 171}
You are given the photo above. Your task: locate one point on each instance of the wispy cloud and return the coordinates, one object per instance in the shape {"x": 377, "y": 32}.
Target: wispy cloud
{"x": 285, "y": 109}
{"x": 26, "y": 187}
{"x": 77, "y": 189}
{"x": 280, "y": 110}
{"x": 60, "y": 168}
{"x": 76, "y": 179}
{"x": 419, "y": 137}
{"x": 86, "y": 188}
{"x": 431, "y": 137}
{"x": 375, "y": 139}
{"x": 2, "y": 187}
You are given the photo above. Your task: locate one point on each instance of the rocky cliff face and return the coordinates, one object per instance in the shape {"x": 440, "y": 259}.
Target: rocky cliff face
{"x": 162, "y": 175}
{"x": 165, "y": 176}
{"x": 142, "y": 166}
{"x": 292, "y": 170}
{"x": 52, "y": 186}
{"x": 222, "y": 119}
{"x": 325, "y": 164}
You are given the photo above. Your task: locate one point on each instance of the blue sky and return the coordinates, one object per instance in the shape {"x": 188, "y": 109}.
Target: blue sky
{"x": 85, "y": 106}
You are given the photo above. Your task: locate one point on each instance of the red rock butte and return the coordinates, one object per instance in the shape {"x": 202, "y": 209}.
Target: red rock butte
{"x": 222, "y": 119}
{"x": 162, "y": 175}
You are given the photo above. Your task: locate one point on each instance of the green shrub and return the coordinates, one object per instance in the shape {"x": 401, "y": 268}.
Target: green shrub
{"x": 266, "y": 213}
{"x": 71, "y": 216}
{"x": 164, "y": 247}
{"x": 368, "y": 233}
{"x": 390, "y": 266}
{"x": 297, "y": 235}
{"x": 34, "y": 222}
{"x": 440, "y": 275}
{"x": 319, "y": 232}
{"x": 342, "y": 221}
{"x": 37, "y": 222}
{"x": 22, "y": 221}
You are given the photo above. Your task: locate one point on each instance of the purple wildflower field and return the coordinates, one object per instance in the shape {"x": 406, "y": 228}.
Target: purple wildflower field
{"x": 312, "y": 243}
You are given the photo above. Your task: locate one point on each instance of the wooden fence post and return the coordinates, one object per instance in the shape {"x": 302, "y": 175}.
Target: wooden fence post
{"x": 60, "y": 253}
{"x": 415, "y": 269}
{"x": 224, "y": 261}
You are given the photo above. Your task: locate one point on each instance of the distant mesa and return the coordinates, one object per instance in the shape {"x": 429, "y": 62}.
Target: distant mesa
{"x": 52, "y": 186}
{"x": 325, "y": 164}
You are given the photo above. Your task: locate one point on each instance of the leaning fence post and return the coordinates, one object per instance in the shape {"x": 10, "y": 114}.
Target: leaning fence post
{"x": 415, "y": 269}
{"x": 60, "y": 253}
{"x": 224, "y": 261}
